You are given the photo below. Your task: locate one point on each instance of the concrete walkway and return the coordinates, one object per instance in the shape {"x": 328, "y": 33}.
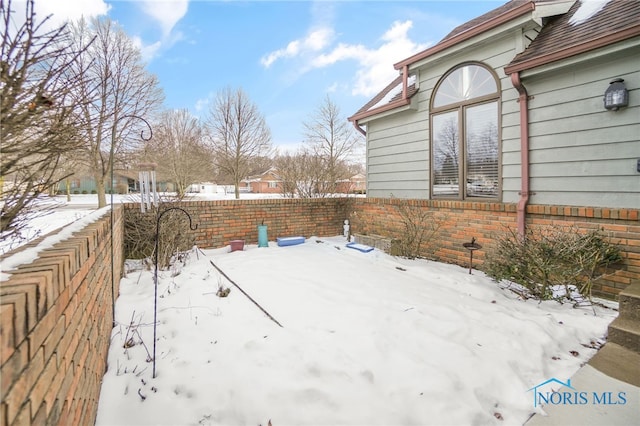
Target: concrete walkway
{"x": 615, "y": 372}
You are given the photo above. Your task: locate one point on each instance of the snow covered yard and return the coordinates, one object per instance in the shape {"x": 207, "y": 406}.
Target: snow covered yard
{"x": 367, "y": 339}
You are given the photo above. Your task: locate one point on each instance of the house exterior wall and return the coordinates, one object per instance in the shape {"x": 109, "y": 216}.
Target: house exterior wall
{"x": 398, "y": 156}
{"x": 267, "y": 183}
{"x": 398, "y": 162}
{"x": 87, "y": 185}
{"x": 580, "y": 153}
{"x": 263, "y": 187}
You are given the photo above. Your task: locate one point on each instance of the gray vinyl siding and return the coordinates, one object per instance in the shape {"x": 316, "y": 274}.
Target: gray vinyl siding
{"x": 580, "y": 153}
{"x": 397, "y": 157}
{"x": 398, "y": 145}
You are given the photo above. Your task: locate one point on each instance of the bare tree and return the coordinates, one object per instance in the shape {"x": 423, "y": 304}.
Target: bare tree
{"x": 121, "y": 94}
{"x": 306, "y": 174}
{"x": 179, "y": 150}
{"x": 331, "y": 138}
{"x": 238, "y": 133}
{"x": 36, "y": 113}
{"x": 294, "y": 173}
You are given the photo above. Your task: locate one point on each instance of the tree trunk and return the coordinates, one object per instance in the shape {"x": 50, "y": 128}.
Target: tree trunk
{"x": 100, "y": 189}
{"x": 237, "y": 188}
{"x": 68, "y": 187}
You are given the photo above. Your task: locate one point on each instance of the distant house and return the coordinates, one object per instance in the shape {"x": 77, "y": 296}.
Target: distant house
{"x": 356, "y": 184}
{"x": 508, "y": 108}
{"x": 267, "y": 182}
{"x": 82, "y": 183}
{"x": 203, "y": 188}
{"x": 124, "y": 182}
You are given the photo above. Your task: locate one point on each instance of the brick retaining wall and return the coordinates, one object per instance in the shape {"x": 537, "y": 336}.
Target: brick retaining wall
{"x": 56, "y": 312}
{"x": 56, "y": 321}
{"x": 220, "y": 222}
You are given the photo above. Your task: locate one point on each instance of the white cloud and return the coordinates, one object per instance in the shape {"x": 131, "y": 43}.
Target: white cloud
{"x": 63, "y": 11}
{"x": 148, "y": 51}
{"x": 333, "y": 88}
{"x": 376, "y": 70}
{"x": 397, "y": 31}
{"x": 340, "y": 53}
{"x": 166, "y": 12}
{"x": 316, "y": 40}
{"x": 203, "y": 104}
{"x": 375, "y": 66}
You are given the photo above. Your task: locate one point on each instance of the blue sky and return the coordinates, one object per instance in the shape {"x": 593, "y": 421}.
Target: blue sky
{"x": 286, "y": 55}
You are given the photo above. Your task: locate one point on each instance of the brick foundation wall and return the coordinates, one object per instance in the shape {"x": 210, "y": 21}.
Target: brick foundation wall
{"x": 621, "y": 225}
{"x": 461, "y": 220}
{"x": 56, "y": 321}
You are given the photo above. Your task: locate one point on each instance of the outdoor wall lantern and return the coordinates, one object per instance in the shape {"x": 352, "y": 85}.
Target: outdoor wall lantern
{"x": 616, "y": 96}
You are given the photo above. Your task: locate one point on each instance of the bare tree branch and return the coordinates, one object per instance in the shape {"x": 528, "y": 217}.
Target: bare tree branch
{"x": 37, "y": 120}
{"x": 335, "y": 144}
{"x": 119, "y": 92}
{"x": 179, "y": 150}
{"x": 238, "y": 134}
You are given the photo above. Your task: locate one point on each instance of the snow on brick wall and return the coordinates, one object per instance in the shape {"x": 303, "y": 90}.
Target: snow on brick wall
{"x": 56, "y": 320}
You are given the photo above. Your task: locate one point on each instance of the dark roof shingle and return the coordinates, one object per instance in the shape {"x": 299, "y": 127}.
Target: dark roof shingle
{"x": 561, "y": 34}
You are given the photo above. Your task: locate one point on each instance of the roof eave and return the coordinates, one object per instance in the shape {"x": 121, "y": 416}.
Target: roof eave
{"x": 574, "y": 50}
{"x": 470, "y": 33}
{"x": 384, "y": 108}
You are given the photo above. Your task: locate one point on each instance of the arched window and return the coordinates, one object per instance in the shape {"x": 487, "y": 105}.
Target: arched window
{"x": 465, "y": 134}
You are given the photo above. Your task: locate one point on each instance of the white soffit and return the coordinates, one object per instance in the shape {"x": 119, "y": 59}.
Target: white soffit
{"x": 552, "y": 8}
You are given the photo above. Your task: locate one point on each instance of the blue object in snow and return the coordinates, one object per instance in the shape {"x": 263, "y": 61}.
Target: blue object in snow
{"x": 289, "y": 241}
{"x": 263, "y": 240}
{"x": 360, "y": 247}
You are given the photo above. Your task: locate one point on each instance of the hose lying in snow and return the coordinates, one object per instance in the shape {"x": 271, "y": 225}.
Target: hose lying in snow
{"x": 245, "y": 293}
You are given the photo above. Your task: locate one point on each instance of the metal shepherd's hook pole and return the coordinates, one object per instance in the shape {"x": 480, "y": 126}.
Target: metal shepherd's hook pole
{"x": 155, "y": 276}
{"x": 114, "y": 131}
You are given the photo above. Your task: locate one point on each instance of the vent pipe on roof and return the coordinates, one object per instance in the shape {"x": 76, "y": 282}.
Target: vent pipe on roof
{"x": 523, "y": 99}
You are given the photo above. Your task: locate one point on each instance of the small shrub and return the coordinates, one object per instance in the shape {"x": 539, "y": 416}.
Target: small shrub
{"x": 174, "y": 238}
{"x": 552, "y": 262}
{"x": 419, "y": 228}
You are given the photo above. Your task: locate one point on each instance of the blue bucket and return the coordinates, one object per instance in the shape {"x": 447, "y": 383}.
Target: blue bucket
{"x": 263, "y": 240}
